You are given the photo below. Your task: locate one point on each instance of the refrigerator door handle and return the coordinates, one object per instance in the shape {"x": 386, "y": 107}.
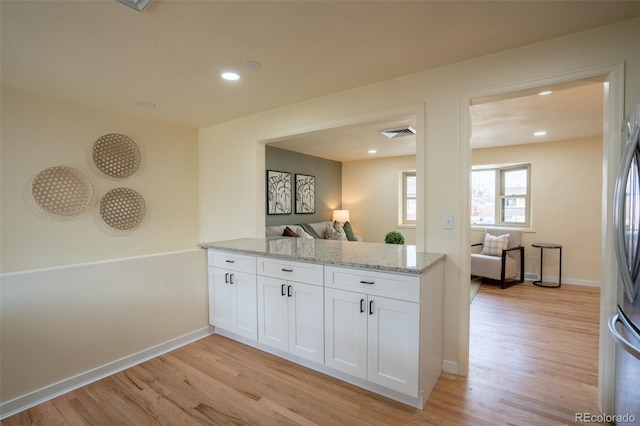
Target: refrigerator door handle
{"x": 628, "y": 268}
{"x": 619, "y": 339}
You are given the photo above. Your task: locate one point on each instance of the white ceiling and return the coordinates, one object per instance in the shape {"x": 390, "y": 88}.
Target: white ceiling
{"x": 571, "y": 111}
{"x": 105, "y": 54}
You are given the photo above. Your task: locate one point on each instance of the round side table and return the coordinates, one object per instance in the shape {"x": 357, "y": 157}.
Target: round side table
{"x": 543, "y": 246}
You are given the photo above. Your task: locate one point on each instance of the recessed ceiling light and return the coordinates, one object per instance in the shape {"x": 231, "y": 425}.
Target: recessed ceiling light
{"x": 546, "y": 92}
{"x": 372, "y": 151}
{"x": 138, "y": 5}
{"x": 146, "y": 104}
{"x": 251, "y": 65}
{"x": 230, "y": 76}
{"x": 540, "y": 133}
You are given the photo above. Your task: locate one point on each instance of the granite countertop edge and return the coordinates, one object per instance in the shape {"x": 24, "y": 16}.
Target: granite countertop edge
{"x": 429, "y": 259}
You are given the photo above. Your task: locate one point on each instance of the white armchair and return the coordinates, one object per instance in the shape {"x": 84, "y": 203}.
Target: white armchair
{"x": 501, "y": 258}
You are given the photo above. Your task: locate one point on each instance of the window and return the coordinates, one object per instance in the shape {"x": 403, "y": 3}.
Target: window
{"x": 409, "y": 201}
{"x": 500, "y": 195}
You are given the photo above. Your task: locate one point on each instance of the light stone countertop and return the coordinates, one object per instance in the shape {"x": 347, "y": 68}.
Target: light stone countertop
{"x": 378, "y": 256}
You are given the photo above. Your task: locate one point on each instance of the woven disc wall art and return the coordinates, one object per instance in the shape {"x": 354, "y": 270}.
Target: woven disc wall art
{"x": 122, "y": 209}
{"x": 116, "y": 155}
{"x": 62, "y": 191}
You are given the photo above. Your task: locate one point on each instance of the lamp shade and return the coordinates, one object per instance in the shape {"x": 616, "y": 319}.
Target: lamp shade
{"x": 341, "y": 216}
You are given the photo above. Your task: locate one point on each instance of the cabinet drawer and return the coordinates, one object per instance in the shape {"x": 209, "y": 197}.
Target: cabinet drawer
{"x": 310, "y": 273}
{"x": 395, "y": 286}
{"x": 232, "y": 261}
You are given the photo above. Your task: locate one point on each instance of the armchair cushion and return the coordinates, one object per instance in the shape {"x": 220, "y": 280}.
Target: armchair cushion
{"x": 493, "y": 245}
{"x": 502, "y": 256}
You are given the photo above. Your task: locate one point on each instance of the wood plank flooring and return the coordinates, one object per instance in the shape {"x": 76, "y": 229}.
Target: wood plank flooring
{"x": 533, "y": 362}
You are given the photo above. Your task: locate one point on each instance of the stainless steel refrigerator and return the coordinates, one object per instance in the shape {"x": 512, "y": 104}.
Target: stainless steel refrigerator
{"x": 625, "y": 324}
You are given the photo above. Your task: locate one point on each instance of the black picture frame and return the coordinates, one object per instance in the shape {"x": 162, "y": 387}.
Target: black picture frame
{"x": 305, "y": 194}
{"x": 278, "y": 192}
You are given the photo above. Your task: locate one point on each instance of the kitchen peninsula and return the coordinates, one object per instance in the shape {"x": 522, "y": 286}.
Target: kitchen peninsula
{"x": 367, "y": 313}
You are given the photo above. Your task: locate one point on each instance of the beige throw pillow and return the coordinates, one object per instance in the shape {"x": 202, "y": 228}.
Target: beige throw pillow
{"x": 335, "y": 232}
{"x": 493, "y": 246}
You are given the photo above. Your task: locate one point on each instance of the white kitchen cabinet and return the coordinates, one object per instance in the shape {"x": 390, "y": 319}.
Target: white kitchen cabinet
{"x": 378, "y": 329}
{"x": 232, "y": 294}
{"x": 373, "y": 338}
{"x": 290, "y": 317}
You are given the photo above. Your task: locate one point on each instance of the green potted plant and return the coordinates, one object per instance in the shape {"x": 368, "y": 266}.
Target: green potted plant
{"x": 394, "y": 237}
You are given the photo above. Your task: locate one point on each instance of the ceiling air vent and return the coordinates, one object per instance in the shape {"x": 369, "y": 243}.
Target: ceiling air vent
{"x": 396, "y": 133}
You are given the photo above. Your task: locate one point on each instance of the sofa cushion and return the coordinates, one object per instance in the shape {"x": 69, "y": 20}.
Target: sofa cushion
{"x": 288, "y": 232}
{"x": 309, "y": 230}
{"x": 318, "y": 227}
{"x": 335, "y": 232}
{"x": 348, "y": 230}
{"x": 275, "y": 230}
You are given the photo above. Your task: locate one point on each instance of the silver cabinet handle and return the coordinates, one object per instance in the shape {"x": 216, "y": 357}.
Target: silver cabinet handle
{"x": 231, "y": 279}
{"x": 626, "y": 345}
{"x": 226, "y": 278}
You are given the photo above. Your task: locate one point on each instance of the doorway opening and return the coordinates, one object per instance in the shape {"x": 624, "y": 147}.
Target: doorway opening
{"x": 611, "y": 78}
{"x": 362, "y": 150}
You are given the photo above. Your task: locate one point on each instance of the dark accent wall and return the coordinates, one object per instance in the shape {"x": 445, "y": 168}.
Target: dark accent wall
{"x": 328, "y": 175}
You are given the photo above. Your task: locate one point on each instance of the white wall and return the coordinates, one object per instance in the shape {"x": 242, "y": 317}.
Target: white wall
{"x": 566, "y": 205}
{"x": 74, "y": 297}
{"x": 371, "y": 192}
{"x": 233, "y": 148}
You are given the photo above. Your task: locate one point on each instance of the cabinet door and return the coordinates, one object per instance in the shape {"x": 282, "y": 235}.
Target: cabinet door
{"x": 272, "y": 313}
{"x": 232, "y": 302}
{"x": 244, "y": 317}
{"x": 220, "y": 299}
{"x": 394, "y": 343}
{"x": 346, "y": 332}
{"x": 306, "y": 325}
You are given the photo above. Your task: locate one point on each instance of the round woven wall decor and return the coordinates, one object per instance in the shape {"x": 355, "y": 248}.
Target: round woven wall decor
{"x": 122, "y": 209}
{"x": 116, "y": 155}
{"x": 62, "y": 191}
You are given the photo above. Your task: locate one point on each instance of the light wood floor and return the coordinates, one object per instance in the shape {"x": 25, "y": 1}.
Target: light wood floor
{"x": 533, "y": 362}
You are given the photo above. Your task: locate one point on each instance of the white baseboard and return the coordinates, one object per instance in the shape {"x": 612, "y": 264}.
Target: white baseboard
{"x": 450, "y": 367}
{"x": 39, "y": 396}
{"x": 554, "y": 279}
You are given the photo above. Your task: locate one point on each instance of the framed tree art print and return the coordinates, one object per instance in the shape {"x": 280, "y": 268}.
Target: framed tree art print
{"x": 278, "y": 192}
{"x": 305, "y": 194}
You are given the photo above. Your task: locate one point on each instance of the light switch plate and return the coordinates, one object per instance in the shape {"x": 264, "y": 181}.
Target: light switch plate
{"x": 447, "y": 222}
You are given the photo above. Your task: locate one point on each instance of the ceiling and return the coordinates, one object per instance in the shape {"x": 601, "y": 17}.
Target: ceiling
{"x": 105, "y": 54}
{"x": 572, "y": 111}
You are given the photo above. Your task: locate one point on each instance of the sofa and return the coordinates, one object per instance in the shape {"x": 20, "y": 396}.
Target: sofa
{"x": 306, "y": 230}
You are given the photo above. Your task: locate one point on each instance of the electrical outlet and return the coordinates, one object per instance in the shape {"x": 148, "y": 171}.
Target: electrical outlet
{"x": 532, "y": 260}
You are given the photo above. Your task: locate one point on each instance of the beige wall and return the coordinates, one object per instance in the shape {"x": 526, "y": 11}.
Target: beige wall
{"x": 61, "y": 322}
{"x": 40, "y": 132}
{"x": 371, "y": 192}
{"x": 566, "y": 203}
{"x": 74, "y": 297}
{"x": 233, "y": 148}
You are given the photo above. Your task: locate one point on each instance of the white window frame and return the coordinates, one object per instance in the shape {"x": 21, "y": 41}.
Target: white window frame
{"x": 404, "y": 198}
{"x": 501, "y": 198}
